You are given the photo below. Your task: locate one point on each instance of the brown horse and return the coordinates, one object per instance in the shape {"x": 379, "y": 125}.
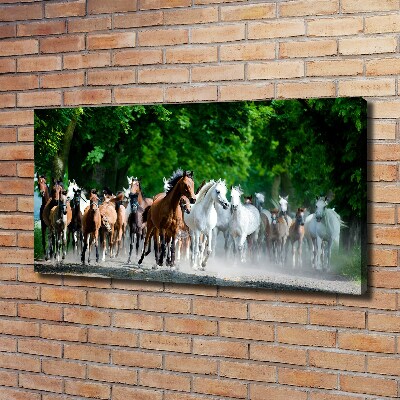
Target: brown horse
{"x": 119, "y": 226}
{"x": 163, "y": 215}
{"x": 108, "y": 220}
{"x": 52, "y": 202}
{"x": 60, "y": 217}
{"x": 44, "y": 193}
{"x": 183, "y": 238}
{"x": 277, "y": 237}
{"x": 296, "y": 234}
{"x": 91, "y": 222}
{"x": 137, "y": 204}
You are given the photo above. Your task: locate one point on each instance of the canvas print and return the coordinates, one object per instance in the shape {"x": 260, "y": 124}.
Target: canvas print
{"x": 266, "y": 194}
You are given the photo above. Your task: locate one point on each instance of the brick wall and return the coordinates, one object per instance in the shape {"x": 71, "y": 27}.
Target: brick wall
{"x": 70, "y": 338}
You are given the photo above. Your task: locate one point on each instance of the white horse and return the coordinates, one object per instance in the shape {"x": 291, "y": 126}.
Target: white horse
{"x": 245, "y": 221}
{"x": 322, "y": 230}
{"x": 223, "y": 218}
{"x": 83, "y": 202}
{"x": 203, "y": 219}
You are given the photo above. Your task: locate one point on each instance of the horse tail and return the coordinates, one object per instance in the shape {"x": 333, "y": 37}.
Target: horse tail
{"x": 145, "y": 213}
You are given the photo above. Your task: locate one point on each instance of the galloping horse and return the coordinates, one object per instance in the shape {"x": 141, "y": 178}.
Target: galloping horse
{"x": 277, "y": 236}
{"x": 108, "y": 220}
{"x": 44, "y": 192}
{"x": 75, "y": 226}
{"x": 60, "y": 217}
{"x": 244, "y": 224}
{"x": 265, "y": 215}
{"x": 163, "y": 215}
{"x": 119, "y": 227}
{"x": 296, "y": 234}
{"x": 322, "y": 228}
{"x": 137, "y": 204}
{"x": 91, "y": 222}
{"x": 203, "y": 219}
{"x": 183, "y": 238}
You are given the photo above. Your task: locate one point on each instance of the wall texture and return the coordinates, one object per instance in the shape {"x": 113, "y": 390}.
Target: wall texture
{"x": 69, "y": 338}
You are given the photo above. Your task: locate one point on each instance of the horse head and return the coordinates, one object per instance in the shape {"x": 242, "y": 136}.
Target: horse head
{"x": 248, "y": 199}
{"x": 133, "y": 201}
{"x": 219, "y": 194}
{"x": 320, "y": 206}
{"x": 274, "y": 216}
{"x": 236, "y": 192}
{"x": 62, "y": 202}
{"x": 94, "y": 201}
{"x": 187, "y": 186}
{"x": 283, "y": 202}
{"x": 72, "y": 188}
{"x": 135, "y": 187}
{"x": 185, "y": 204}
{"x": 300, "y": 216}
{"x": 41, "y": 180}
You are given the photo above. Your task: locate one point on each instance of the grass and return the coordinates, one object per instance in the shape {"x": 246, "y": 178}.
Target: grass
{"x": 37, "y": 235}
{"x": 349, "y": 264}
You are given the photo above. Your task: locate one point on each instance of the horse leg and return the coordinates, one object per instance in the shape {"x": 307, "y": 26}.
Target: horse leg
{"x": 172, "y": 261}
{"x": 90, "y": 242}
{"x": 64, "y": 243}
{"x": 131, "y": 240}
{"x": 320, "y": 253}
{"x": 146, "y": 241}
{"x": 84, "y": 249}
{"x": 163, "y": 248}
{"x": 96, "y": 244}
{"x": 137, "y": 242}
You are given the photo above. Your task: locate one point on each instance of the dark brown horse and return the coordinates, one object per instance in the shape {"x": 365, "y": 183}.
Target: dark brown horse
{"x": 75, "y": 226}
{"x": 163, "y": 215}
{"x": 44, "y": 193}
{"x": 91, "y": 222}
{"x": 108, "y": 220}
{"x": 137, "y": 204}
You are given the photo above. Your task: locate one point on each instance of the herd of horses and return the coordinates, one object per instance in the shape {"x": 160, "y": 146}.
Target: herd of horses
{"x": 182, "y": 222}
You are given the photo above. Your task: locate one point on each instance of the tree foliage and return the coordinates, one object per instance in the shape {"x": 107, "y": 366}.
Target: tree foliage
{"x": 302, "y": 148}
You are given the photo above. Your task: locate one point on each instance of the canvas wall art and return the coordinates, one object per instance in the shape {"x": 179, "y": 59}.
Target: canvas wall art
{"x": 266, "y": 194}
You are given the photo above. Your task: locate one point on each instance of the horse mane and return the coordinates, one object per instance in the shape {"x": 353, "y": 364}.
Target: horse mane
{"x": 173, "y": 180}
{"x": 204, "y": 190}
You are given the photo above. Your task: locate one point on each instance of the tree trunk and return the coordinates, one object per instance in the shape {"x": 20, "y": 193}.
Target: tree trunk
{"x": 60, "y": 162}
{"x": 276, "y": 184}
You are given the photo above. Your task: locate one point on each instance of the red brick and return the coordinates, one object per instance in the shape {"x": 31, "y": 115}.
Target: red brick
{"x": 138, "y": 94}
{"x": 89, "y": 24}
{"x": 8, "y": 273}
{"x": 42, "y": 28}
{"x": 306, "y": 90}
{"x": 8, "y": 31}
{"x": 340, "y": 318}
{"x": 334, "y": 67}
{"x": 218, "y": 308}
{"x": 307, "y": 337}
{"x": 138, "y": 20}
{"x": 262, "y": 392}
{"x": 123, "y": 393}
{"x": 163, "y": 37}
{"x": 112, "y": 374}
{"x": 382, "y": 24}
{"x": 382, "y": 257}
{"x": 41, "y": 63}
{"x": 247, "y": 371}
{"x": 365, "y": 45}
{"x": 62, "y": 44}
{"x": 155, "y": 4}
{"x": 27, "y": 274}
{"x": 243, "y": 12}
{"x": 190, "y": 326}
{"x": 19, "y": 362}
{"x": 246, "y": 92}
{"x": 384, "y": 365}
{"x": 196, "y": 365}
{"x": 20, "y": 186}
{"x": 25, "y": 170}
{"x": 86, "y": 353}
{"x": 7, "y": 65}
{"x": 39, "y": 99}
{"x": 163, "y": 75}
{"x": 47, "y": 383}
{"x": 113, "y": 300}
{"x": 21, "y": 12}
{"x": 137, "y": 358}
{"x": 278, "y": 354}
{"x": 40, "y": 347}
{"x": 381, "y": 215}
{"x": 14, "y": 82}
{"x": 87, "y": 281}
{"x": 87, "y": 317}
{"x": 307, "y": 7}
{"x": 64, "y": 79}
{"x": 8, "y": 378}
{"x": 117, "y": 77}
{"x": 247, "y": 52}
{"x": 220, "y": 387}
{"x": 382, "y": 66}
{"x": 70, "y": 9}
{"x": 89, "y": 60}
{"x": 87, "y": 97}
{"x": 8, "y": 239}
{"x": 111, "y": 40}
{"x": 164, "y": 380}
{"x": 383, "y": 322}
{"x": 8, "y": 204}
{"x": 40, "y": 311}
{"x": 296, "y": 377}
{"x": 165, "y": 342}
{"x": 8, "y": 169}
{"x": 223, "y": 33}
{"x": 384, "y": 152}
{"x": 375, "y": 299}
{"x": 63, "y": 332}
{"x": 368, "y": 385}
{"x": 191, "y": 55}
{"x": 335, "y": 26}
{"x": 64, "y": 368}
{"x": 191, "y": 16}
{"x": 307, "y": 298}
{"x": 334, "y": 360}
{"x": 7, "y": 100}
{"x": 367, "y": 87}
{"x": 267, "y": 312}
{"x": 25, "y": 204}
{"x": 113, "y": 337}
{"x": 87, "y": 389}
{"x": 16, "y": 118}
{"x": 389, "y": 235}
{"x": 137, "y": 57}
{"x": 309, "y": 48}
{"x": 138, "y": 321}
{"x": 63, "y": 295}
{"x": 17, "y": 256}
{"x": 384, "y": 194}
{"x": 13, "y": 394}
{"x": 366, "y": 342}
{"x": 8, "y": 135}
{"x": 386, "y": 109}
{"x": 381, "y": 172}
{"x": 246, "y": 330}
{"x": 223, "y": 348}
{"x": 16, "y": 222}
{"x": 218, "y": 73}
{"x": 7, "y": 308}
{"x": 276, "y": 29}
{"x": 106, "y": 7}
{"x": 8, "y": 344}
